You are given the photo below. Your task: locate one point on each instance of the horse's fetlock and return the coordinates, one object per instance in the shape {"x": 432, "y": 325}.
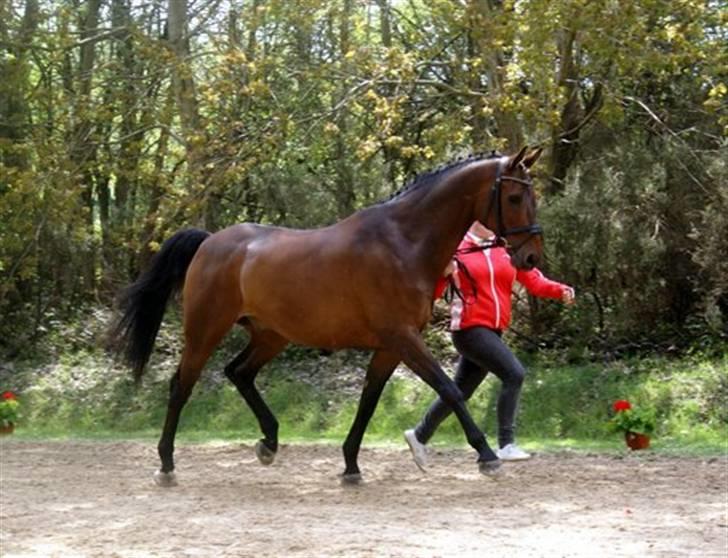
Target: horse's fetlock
{"x": 476, "y": 440}
{"x": 270, "y": 443}
{"x": 349, "y": 447}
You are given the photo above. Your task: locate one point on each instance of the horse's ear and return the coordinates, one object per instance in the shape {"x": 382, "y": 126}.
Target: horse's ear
{"x": 517, "y": 158}
{"x": 532, "y": 157}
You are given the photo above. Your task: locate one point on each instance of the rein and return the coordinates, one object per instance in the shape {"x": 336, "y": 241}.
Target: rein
{"x": 453, "y": 289}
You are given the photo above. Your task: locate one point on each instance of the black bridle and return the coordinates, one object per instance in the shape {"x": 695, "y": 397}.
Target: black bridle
{"x": 495, "y": 199}
{"x": 501, "y": 233}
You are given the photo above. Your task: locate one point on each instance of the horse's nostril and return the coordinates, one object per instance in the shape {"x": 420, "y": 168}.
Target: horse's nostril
{"x": 531, "y": 260}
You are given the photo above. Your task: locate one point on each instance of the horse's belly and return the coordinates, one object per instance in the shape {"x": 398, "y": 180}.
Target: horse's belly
{"x": 329, "y": 339}
{"x": 326, "y": 301}
{"x": 322, "y": 325}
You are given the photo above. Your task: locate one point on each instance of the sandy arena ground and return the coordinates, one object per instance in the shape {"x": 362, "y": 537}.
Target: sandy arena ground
{"x": 68, "y": 499}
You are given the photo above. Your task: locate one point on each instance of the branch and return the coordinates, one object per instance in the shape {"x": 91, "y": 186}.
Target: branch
{"x": 594, "y": 105}
{"x": 675, "y": 135}
{"x": 32, "y": 242}
{"x": 100, "y": 37}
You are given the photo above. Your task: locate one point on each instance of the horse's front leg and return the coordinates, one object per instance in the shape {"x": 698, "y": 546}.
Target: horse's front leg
{"x": 379, "y": 371}
{"x": 418, "y": 358}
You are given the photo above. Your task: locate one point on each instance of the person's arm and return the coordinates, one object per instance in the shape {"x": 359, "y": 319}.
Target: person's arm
{"x": 539, "y": 285}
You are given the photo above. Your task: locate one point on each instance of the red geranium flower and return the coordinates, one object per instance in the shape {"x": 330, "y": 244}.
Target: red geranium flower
{"x": 8, "y": 395}
{"x": 621, "y": 405}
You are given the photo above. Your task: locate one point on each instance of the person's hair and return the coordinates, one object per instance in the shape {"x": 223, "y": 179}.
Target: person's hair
{"x": 480, "y": 229}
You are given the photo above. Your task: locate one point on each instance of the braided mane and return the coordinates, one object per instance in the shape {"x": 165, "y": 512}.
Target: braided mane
{"x": 430, "y": 177}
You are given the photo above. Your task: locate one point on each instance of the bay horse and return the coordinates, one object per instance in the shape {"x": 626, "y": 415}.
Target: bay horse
{"x": 366, "y": 282}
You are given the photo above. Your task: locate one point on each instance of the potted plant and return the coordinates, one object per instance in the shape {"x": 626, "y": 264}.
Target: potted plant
{"x": 9, "y": 405}
{"x": 636, "y": 423}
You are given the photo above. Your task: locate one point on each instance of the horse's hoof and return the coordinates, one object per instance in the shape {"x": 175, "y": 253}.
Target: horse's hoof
{"x": 491, "y": 468}
{"x": 351, "y": 479}
{"x": 165, "y": 479}
{"x": 264, "y": 453}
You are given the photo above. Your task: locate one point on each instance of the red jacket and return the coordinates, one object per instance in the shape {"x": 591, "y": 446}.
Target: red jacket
{"x": 493, "y": 274}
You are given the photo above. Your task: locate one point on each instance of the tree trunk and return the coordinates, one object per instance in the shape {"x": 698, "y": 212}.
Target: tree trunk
{"x": 565, "y": 136}
{"x": 385, "y": 22}
{"x": 390, "y": 154}
{"x": 483, "y": 13}
{"x": 14, "y": 111}
{"x": 344, "y": 191}
{"x": 82, "y": 145}
{"x": 203, "y": 209}
{"x": 184, "y": 85}
{"x": 155, "y": 189}
{"x": 130, "y": 144}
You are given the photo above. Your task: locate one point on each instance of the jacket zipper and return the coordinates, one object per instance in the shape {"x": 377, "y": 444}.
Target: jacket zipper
{"x": 492, "y": 289}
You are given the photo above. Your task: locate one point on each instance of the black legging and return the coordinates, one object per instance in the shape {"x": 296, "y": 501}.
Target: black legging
{"x": 481, "y": 350}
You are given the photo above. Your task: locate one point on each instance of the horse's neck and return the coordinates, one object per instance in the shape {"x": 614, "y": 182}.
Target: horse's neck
{"x": 437, "y": 218}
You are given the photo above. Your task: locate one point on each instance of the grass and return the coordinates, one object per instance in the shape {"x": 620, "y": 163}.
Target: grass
{"x": 564, "y": 406}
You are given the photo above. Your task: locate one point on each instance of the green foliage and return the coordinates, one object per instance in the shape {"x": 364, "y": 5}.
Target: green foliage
{"x": 9, "y": 409}
{"x": 299, "y": 112}
{"x": 677, "y": 391}
{"x": 315, "y": 397}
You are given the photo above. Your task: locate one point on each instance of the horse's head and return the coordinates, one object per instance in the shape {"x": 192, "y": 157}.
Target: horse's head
{"x": 511, "y": 210}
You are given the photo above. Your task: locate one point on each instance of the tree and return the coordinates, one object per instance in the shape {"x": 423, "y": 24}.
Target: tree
{"x": 121, "y": 122}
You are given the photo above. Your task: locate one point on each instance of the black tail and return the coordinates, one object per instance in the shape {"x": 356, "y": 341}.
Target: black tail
{"x": 143, "y": 303}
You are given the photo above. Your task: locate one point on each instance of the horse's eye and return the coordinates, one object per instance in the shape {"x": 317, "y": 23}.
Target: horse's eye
{"x": 515, "y": 199}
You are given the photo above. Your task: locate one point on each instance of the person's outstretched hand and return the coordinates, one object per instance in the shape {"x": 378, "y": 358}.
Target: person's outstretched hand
{"x": 568, "y": 296}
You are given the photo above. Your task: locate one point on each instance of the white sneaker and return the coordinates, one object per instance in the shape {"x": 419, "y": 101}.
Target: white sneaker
{"x": 419, "y": 452}
{"x": 511, "y": 452}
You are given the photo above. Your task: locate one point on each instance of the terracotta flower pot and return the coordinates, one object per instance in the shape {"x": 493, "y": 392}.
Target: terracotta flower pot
{"x": 637, "y": 441}
{"x": 7, "y": 429}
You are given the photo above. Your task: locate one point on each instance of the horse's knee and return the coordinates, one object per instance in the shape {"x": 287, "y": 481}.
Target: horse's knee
{"x": 451, "y": 394}
{"x": 520, "y": 377}
{"x": 241, "y": 378}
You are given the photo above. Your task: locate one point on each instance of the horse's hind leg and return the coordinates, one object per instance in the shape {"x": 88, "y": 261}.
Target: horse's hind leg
{"x": 199, "y": 344}
{"x": 263, "y": 346}
{"x": 379, "y": 371}
{"x": 180, "y": 388}
{"x": 178, "y": 394}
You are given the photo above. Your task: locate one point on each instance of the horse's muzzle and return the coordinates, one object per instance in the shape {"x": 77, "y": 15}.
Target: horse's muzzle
{"x": 525, "y": 258}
